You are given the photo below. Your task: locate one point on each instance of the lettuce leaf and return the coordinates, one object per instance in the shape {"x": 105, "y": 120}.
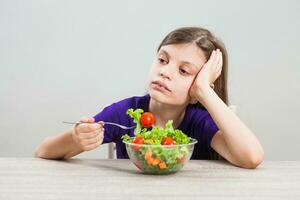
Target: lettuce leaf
{"x": 136, "y": 115}
{"x": 156, "y": 135}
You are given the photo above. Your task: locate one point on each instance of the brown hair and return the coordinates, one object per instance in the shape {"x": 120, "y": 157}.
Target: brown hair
{"x": 207, "y": 42}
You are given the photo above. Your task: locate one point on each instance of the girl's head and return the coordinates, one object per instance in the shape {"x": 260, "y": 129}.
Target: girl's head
{"x": 180, "y": 57}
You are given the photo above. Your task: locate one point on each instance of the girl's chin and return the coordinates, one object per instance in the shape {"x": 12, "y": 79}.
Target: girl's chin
{"x": 162, "y": 98}
{"x": 158, "y": 96}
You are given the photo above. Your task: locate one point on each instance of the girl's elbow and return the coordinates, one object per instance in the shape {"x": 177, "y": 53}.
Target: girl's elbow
{"x": 41, "y": 150}
{"x": 40, "y": 153}
{"x": 254, "y": 160}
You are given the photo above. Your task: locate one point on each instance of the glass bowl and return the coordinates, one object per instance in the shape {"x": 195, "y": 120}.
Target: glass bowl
{"x": 160, "y": 159}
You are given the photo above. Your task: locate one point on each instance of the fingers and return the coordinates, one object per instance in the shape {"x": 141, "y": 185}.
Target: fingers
{"x": 216, "y": 61}
{"x": 95, "y": 139}
{"x": 89, "y": 127}
{"x": 219, "y": 64}
{"x": 212, "y": 58}
{"x": 89, "y": 135}
{"x": 93, "y": 146}
{"x": 215, "y": 58}
{"x": 91, "y": 140}
{"x": 87, "y": 119}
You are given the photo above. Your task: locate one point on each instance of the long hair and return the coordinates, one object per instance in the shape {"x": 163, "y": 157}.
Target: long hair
{"x": 207, "y": 42}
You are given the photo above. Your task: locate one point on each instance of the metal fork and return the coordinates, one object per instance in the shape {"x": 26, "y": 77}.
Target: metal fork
{"x": 109, "y": 123}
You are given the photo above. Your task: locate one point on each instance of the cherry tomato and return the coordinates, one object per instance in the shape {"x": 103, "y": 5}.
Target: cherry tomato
{"x": 137, "y": 140}
{"x": 147, "y": 119}
{"x": 168, "y": 141}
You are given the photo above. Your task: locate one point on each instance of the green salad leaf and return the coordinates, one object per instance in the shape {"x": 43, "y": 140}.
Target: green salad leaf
{"x": 136, "y": 115}
{"x": 156, "y": 135}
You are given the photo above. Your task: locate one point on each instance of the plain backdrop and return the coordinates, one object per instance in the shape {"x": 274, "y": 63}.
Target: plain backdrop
{"x": 63, "y": 59}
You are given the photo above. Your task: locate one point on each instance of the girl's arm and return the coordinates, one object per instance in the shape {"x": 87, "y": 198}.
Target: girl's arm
{"x": 60, "y": 146}
{"x": 83, "y": 137}
{"x": 234, "y": 141}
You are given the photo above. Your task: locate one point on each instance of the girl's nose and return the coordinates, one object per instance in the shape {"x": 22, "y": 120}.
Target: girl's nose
{"x": 165, "y": 72}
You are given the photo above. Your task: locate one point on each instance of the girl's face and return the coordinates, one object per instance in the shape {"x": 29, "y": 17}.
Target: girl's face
{"x": 173, "y": 72}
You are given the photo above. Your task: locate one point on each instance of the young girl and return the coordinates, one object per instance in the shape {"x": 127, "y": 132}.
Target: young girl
{"x": 187, "y": 84}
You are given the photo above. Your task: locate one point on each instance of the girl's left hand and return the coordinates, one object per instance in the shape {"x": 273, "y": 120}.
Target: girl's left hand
{"x": 207, "y": 75}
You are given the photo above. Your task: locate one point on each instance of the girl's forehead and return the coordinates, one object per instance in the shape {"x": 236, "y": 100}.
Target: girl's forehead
{"x": 184, "y": 53}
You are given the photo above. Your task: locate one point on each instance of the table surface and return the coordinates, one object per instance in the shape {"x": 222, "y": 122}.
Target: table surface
{"x": 34, "y": 178}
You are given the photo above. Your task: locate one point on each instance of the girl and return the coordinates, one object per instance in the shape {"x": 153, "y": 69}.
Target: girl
{"x": 187, "y": 84}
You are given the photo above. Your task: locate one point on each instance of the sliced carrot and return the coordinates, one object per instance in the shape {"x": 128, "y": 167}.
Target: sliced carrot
{"x": 162, "y": 165}
{"x": 156, "y": 161}
{"x": 148, "y": 155}
{"x": 149, "y": 161}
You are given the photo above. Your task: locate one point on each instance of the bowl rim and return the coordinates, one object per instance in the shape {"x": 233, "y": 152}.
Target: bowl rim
{"x": 193, "y": 142}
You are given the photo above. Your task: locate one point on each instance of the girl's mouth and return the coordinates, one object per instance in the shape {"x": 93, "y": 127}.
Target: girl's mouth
{"x": 160, "y": 86}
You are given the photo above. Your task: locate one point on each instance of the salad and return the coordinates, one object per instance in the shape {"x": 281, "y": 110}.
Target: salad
{"x": 157, "y": 150}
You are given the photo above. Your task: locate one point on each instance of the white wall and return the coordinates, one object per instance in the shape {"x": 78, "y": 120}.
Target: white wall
{"x": 60, "y": 60}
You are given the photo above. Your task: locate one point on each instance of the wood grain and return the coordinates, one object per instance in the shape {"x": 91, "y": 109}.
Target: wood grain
{"x": 33, "y": 178}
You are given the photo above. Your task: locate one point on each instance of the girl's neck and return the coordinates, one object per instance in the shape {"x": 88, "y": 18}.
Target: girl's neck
{"x": 164, "y": 112}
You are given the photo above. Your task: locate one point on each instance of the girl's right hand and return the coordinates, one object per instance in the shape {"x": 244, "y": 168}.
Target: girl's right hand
{"x": 88, "y": 135}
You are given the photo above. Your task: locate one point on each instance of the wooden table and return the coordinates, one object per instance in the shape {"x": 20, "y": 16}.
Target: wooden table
{"x": 33, "y": 178}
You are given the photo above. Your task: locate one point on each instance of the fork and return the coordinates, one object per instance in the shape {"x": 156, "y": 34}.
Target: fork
{"x": 109, "y": 123}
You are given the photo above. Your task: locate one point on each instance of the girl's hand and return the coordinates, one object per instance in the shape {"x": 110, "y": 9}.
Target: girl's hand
{"x": 88, "y": 135}
{"x": 205, "y": 78}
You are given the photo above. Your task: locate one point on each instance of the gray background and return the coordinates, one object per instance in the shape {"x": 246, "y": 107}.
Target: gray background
{"x": 60, "y": 60}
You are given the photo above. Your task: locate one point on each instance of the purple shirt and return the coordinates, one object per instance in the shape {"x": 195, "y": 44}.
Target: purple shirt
{"x": 197, "y": 123}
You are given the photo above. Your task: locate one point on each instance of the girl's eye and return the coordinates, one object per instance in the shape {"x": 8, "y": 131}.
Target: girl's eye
{"x": 183, "y": 71}
{"x": 162, "y": 61}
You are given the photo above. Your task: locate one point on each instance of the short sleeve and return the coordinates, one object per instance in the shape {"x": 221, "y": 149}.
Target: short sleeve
{"x": 207, "y": 128}
{"x": 109, "y": 114}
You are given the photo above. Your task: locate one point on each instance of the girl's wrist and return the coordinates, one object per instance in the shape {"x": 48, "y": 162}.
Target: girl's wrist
{"x": 74, "y": 140}
{"x": 203, "y": 94}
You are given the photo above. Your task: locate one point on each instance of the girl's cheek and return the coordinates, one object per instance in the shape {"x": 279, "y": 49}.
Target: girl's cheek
{"x": 155, "y": 72}
{"x": 182, "y": 88}
{"x": 153, "y": 69}
{"x": 152, "y": 74}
